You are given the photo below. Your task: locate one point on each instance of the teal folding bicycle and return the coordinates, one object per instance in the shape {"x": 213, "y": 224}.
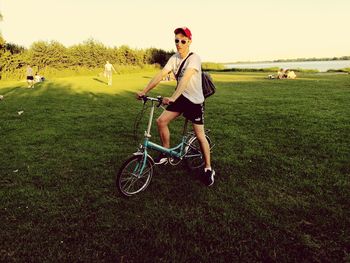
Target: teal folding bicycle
{"x": 136, "y": 172}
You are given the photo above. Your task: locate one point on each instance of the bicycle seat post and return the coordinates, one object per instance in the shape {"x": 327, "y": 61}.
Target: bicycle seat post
{"x": 184, "y": 131}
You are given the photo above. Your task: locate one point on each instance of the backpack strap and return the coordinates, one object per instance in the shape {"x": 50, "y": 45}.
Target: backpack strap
{"x": 181, "y": 66}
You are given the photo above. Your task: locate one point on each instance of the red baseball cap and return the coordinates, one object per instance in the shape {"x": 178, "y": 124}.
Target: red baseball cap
{"x": 185, "y": 31}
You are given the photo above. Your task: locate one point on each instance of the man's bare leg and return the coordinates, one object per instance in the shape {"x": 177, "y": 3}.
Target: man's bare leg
{"x": 162, "y": 123}
{"x": 205, "y": 147}
{"x": 208, "y": 173}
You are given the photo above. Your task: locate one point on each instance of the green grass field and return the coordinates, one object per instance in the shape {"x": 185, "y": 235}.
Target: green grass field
{"x": 281, "y": 193}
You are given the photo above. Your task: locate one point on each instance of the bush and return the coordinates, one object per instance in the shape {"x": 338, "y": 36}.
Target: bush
{"x": 274, "y": 69}
{"x": 268, "y": 70}
{"x": 209, "y": 66}
{"x": 345, "y": 70}
{"x": 53, "y": 59}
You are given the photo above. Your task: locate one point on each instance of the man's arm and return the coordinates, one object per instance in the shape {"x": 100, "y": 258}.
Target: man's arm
{"x": 181, "y": 86}
{"x": 154, "y": 82}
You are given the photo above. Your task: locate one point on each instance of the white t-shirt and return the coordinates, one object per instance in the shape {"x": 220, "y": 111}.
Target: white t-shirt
{"x": 108, "y": 67}
{"x": 29, "y": 72}
{"x": 193, "y": 91}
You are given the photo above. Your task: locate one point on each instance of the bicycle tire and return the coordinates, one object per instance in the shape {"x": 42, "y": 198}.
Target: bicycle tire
{"x": 137, "y": 182}
{"x": 196, "y": 162}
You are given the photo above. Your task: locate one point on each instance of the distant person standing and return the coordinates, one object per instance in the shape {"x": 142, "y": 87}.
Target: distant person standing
{"x": 30, "y": 77}
{"x": 280, "y": 73}
{"x": 108, "y": 72}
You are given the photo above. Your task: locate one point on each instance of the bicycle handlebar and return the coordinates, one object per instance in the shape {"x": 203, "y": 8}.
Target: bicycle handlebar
{"x": 158, "y": 99}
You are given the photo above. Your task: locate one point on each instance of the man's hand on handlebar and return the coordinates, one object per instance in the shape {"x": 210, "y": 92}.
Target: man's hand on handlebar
{"x": 167, "y": 100}
{"x": 140, "y": 94}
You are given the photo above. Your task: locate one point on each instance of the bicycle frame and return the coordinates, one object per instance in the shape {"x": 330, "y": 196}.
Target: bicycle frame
{"x": 179, "y": 151}
{"x": 176, "y": 151}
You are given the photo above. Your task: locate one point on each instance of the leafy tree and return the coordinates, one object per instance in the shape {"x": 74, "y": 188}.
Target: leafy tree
{"x": 38, "y": 53}
{"x": 158, "y": 56}
{"x": 43, "y": 54}
{"x": 14, "y": 48}
{"x": 124, "y": 55}
{"x": 4, "y": 54}
{"x": 90, "y": 54}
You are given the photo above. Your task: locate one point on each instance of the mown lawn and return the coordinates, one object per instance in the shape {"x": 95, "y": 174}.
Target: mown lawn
{"x": 281, "y": 193}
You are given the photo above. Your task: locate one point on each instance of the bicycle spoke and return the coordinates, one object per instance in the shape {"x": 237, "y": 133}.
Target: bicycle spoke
{"x": 128, "y": 178}
{"x": 131, "y": 183}
{"x": 136, "y": 179}
{"x": 145, "y": 172}
{"x": 194, "y": 148}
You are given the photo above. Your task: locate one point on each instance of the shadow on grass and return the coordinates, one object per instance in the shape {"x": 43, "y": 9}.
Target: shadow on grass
{"x": 101, "y": 81}
{"x": 8, "y": 91}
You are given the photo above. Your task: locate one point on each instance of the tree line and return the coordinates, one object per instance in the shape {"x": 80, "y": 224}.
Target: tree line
{"x": 90, "y": 54}
{"x": 312, "y": 59}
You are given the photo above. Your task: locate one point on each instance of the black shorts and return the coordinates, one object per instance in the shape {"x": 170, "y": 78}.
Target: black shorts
{"x": 30, "y": 78}
{"x": 191, "y": 111}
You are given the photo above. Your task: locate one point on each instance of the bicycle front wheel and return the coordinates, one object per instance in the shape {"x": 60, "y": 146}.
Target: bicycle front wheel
{"x": 133, "y": 176}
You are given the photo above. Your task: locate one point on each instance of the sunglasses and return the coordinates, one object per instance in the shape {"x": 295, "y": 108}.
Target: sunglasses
{"x": 183, "y": 41}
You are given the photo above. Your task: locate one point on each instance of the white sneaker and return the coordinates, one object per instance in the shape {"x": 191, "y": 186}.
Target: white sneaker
{"x": 161, "y": 159}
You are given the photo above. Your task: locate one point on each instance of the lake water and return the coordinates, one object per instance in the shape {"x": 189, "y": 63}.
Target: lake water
{"x": 322, "y": 66}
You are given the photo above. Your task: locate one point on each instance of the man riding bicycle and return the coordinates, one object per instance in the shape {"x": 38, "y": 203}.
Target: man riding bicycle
{"x": 187, "y": 99}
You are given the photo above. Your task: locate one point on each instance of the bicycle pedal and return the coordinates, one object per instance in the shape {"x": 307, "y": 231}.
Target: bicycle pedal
{"x": 174, "y": 161}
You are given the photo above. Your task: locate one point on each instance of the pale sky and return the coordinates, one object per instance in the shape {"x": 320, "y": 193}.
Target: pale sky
{"x": 223, "y": 30}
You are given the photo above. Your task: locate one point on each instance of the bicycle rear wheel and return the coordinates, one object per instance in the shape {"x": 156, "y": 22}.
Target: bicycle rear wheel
{"x": 194, "y": 158}
{"x": 131, "y": 178}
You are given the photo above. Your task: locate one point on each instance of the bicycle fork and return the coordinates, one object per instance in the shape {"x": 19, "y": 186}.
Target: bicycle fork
{"x": 140, "y": 166}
